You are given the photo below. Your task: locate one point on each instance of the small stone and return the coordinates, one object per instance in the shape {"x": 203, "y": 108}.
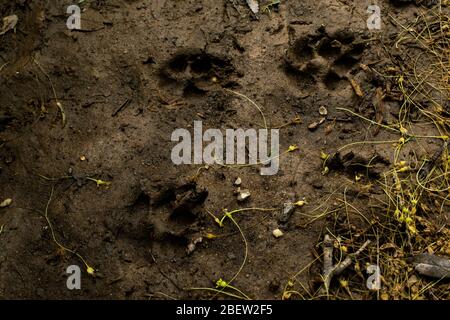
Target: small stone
{"x": 243, "y": 195}
{"x": 323, "y": 111}
{"x": 286, "y": 213}
{"x": 313, "y": 126}
{"x": 238, "y": 181}
{"x": 83, "y": 158}
{"x": 277, "y": 233}
{"x": 192, "y": 245}
{"x": 6, "y": 203}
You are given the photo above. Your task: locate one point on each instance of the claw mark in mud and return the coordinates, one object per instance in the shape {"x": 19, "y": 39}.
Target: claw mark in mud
{"x": 198, "y": 72}
{"x": 323, "y": 59}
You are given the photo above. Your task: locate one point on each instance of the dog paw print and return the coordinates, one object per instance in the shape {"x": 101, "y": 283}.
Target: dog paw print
{"x": 176, "y": 211}
{"x": 323, "y": 60}
{"x": 197, "y": 71}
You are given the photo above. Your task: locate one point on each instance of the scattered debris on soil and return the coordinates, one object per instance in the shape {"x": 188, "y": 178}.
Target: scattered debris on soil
{"x": 86, "y": 123}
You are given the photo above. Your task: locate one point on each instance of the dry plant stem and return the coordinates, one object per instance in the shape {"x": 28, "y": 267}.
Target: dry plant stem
{"x": 329, "y": 271}
{"x": 58, "y": 104}
{"x": 327, "y": 261}
{"x": 262, "y": 162}
{"x": 241, "y": 295}
{"x": 2, "y": 66}
{"x": 52, "y": 230}
{"x": 252, "y": 102}
{"x": 348, "y": 260}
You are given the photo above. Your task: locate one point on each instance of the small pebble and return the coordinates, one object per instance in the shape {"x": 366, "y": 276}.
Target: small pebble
{"x": 244, "y": 194}
{"x": 277, "y": 233}
{"x": 238, "y": 181}
{"x": 286, "y": 212}
{"x": 313, "y": 126}
{"x": 323, "y": 111}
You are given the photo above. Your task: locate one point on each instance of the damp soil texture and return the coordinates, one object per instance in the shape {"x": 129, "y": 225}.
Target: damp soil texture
{"x": 86, "y": 124}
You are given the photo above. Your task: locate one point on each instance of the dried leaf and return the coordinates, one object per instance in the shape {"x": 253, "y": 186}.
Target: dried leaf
{"x": 6, "y": 203}
{"x": 254, "y": 6}
{"x": 388, "y": 246}
{"x": 356, "y": 88}
{"x": 431, "y": 265}
{"x": 9, "y": 23}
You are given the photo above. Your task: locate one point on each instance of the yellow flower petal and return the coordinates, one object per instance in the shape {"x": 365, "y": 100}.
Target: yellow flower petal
{"x": 90, "y": 271}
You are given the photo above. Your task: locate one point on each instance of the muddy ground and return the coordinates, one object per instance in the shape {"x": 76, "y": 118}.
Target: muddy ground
{"x": 137, "y": 71}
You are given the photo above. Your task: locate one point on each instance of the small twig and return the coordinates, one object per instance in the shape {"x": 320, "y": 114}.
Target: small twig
{"x": 327, "y": 261}
{"x": 121, "y": 108}
{"x": 252, "y": 102}
{"x": 89, "y": 269}
{"x": 329, "y": 271}
{"x": 339, "y": 268}
{"x": 2, "y": 66}
{"x": 87, "y": 30}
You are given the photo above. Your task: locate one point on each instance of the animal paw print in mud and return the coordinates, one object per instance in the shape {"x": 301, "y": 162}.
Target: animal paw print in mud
{"x": 163, "y": 212}
{"x": 196, "y": 71}
{"x": 176, "y": 211}
{"x": 323, "y": 60}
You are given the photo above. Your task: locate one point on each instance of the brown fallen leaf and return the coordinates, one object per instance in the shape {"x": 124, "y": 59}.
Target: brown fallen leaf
{"x": 364, "y": 67}
{"x": 356, "y": 88}
{"x": 329, "y": 128}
